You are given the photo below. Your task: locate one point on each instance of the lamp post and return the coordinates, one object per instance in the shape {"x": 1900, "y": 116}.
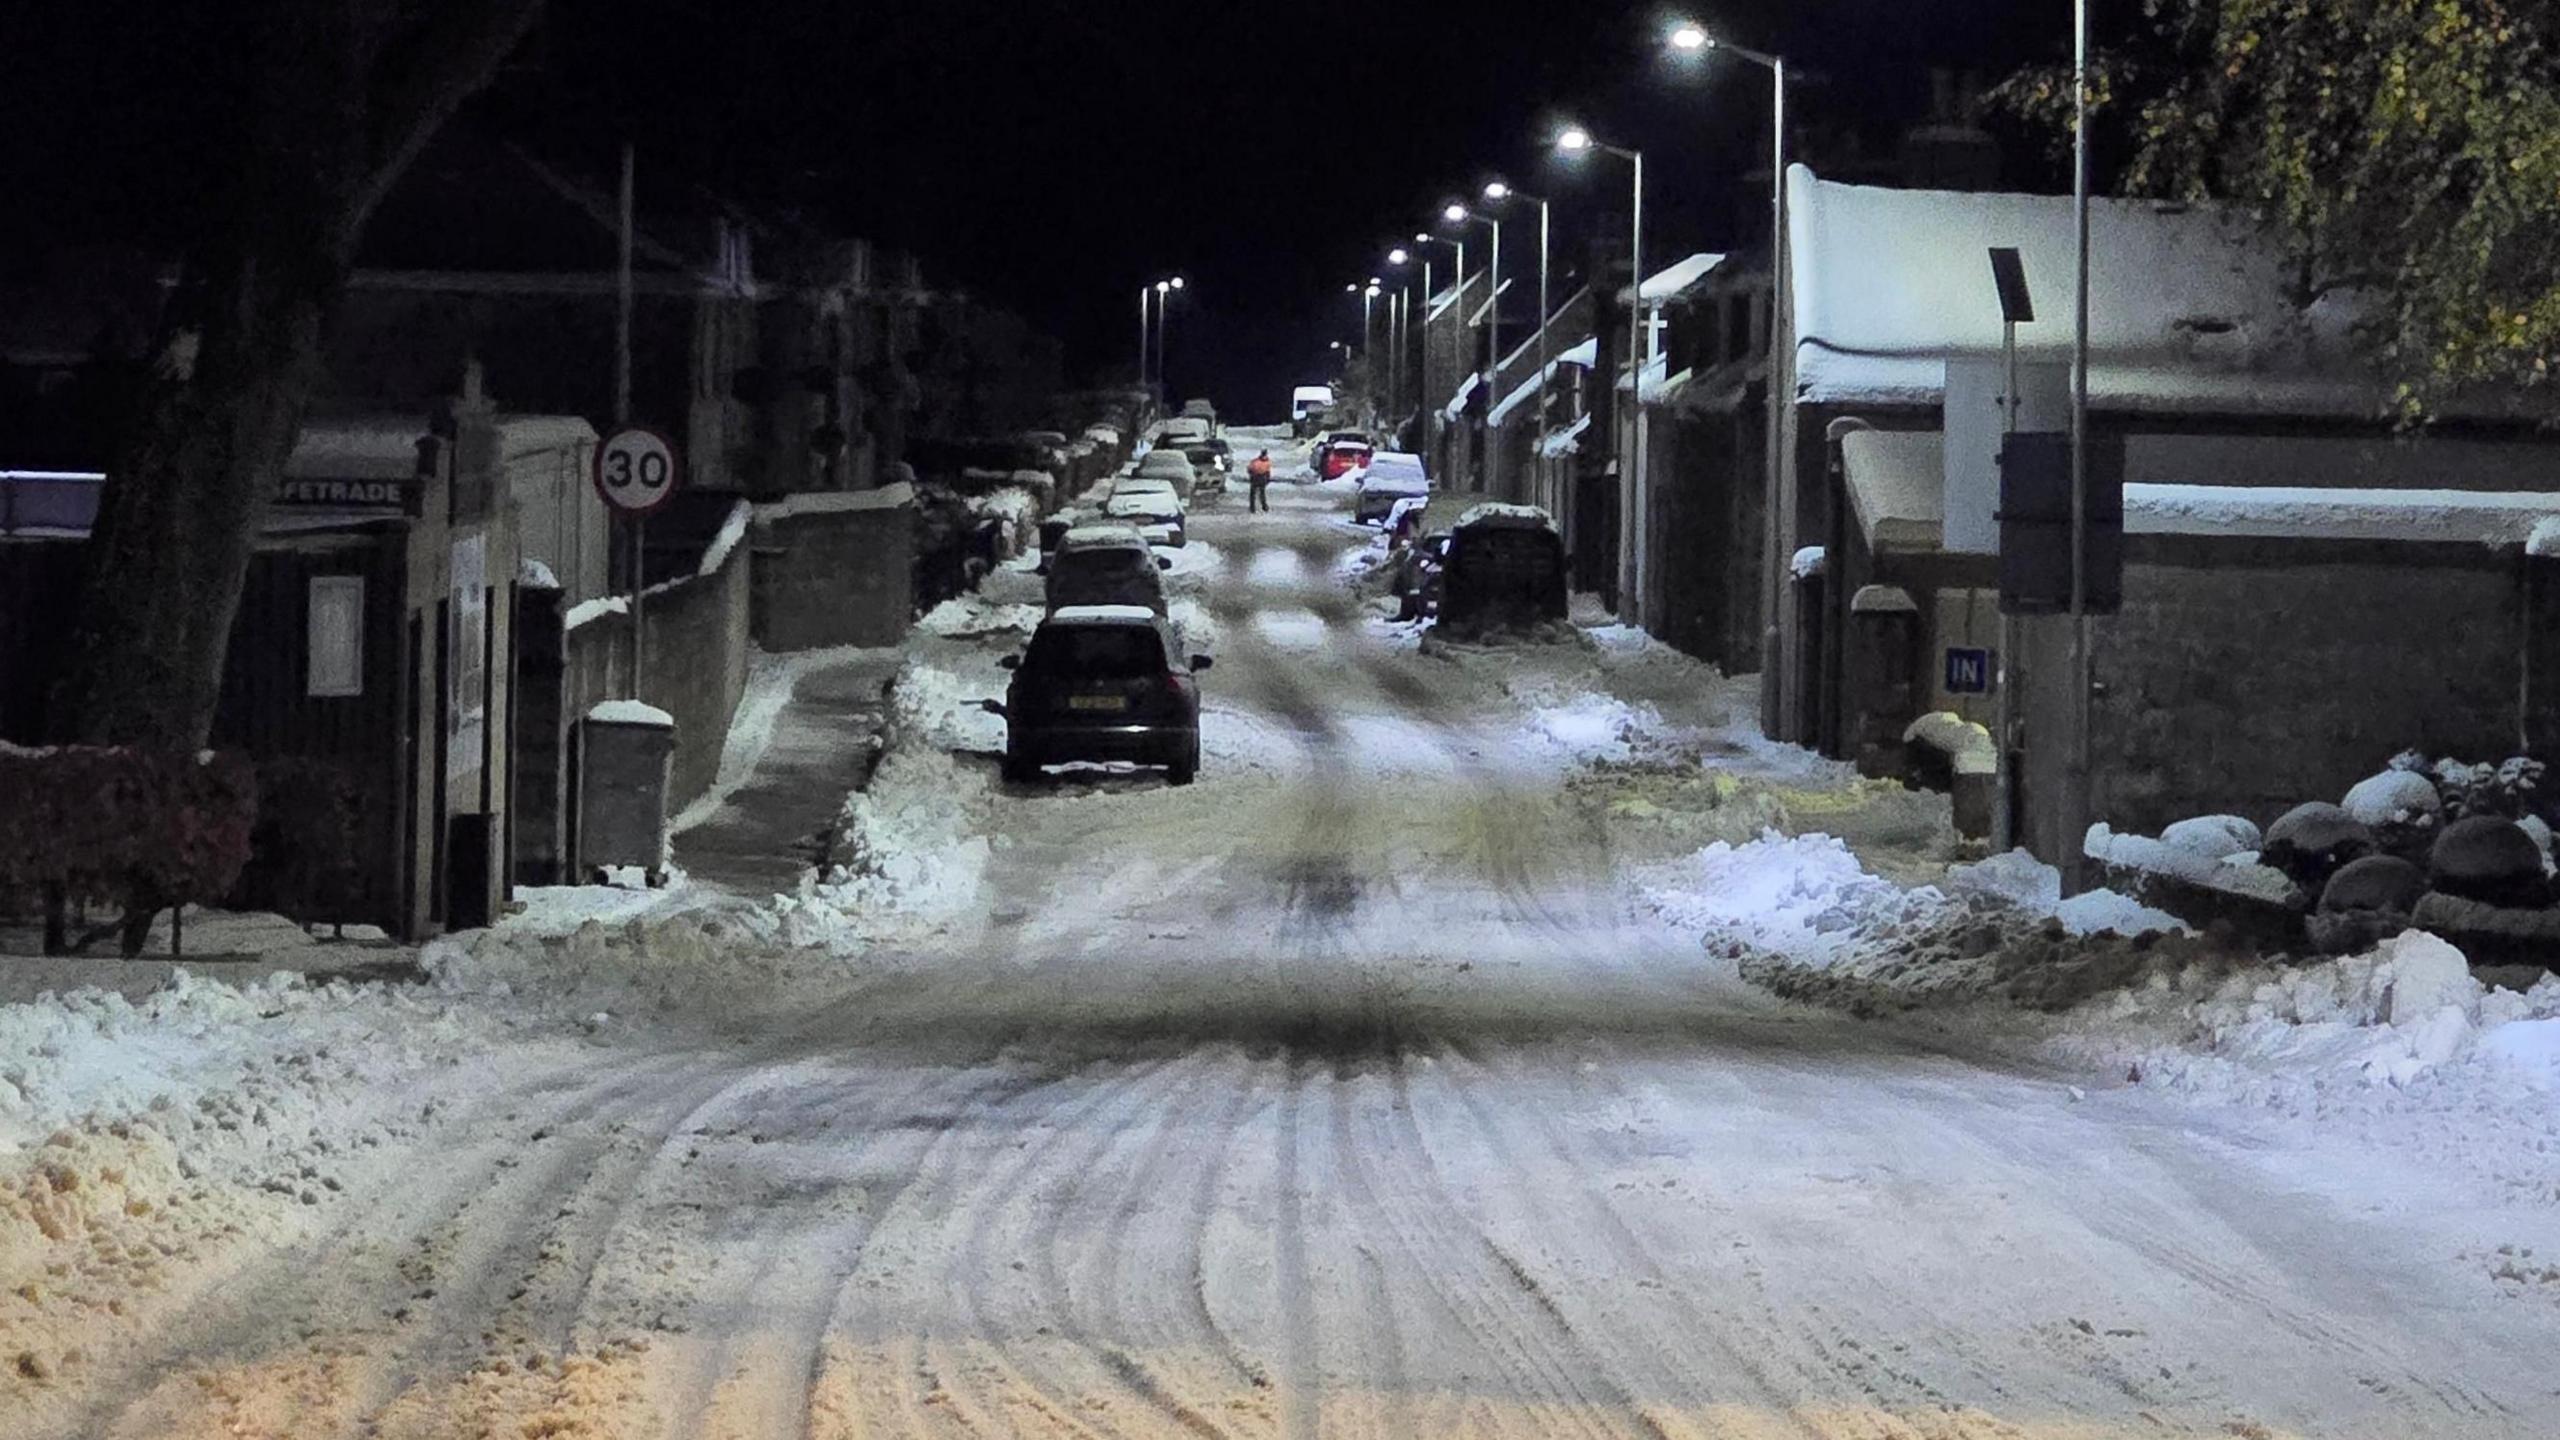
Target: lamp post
{"x": 1575, "y": 140}
{"x": 1461, "y": 215}
{"x": 1777, "y": 483}
{"x": 1146, "y": 333}
{"x": 1165, "y": 289}
{"x": 1501, "y": 193}
{"x": 1459, "y": 289}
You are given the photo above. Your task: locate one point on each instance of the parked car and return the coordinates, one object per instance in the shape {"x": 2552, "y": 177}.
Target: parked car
{"x": 1503, "y": 565}
{"x": 1307, "y": 400}
{"x": 1388, "y": 477}
{"x": 1174, "y": 434}
{"x": 1171, "y": 465}
{"x": 1152, "y": 507}
{"x": 1211, "y": 461}
{"x": 1102, "y": 683}
{"x": 1200, "y": 410}
{"x": 1339, "y": 453}
{"x": 1106, "y": 564}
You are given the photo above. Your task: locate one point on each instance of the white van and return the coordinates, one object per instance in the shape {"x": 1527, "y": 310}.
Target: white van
{"x": 1307, "y": 399}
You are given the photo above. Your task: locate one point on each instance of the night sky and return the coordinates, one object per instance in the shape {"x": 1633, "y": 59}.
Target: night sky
{"x": 1055, "y": 155}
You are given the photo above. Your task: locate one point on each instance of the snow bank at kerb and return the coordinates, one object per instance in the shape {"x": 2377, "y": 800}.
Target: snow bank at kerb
{"x": 2103, "y": 984}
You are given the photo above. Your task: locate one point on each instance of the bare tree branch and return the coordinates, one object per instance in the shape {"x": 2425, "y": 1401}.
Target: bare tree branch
{"x": 421, "y": 78}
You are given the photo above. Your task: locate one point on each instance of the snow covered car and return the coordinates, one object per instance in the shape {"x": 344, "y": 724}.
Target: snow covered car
{"x": 1106, "y": 565}
{"x": 1503, "y": 565}
{"x": 1152, "y": 507}
{"x": 1173, "y": 467}
{"x": 1200, "y": 410}
{"x": 1210, "y": 461}
{"x": 1102, "y": 683}
{"x": 1389, "y": 476}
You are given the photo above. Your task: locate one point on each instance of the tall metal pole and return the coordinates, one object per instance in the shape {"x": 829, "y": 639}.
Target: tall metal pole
{"x": 1632, "y": 487}
{"x": 1424, "y": 409}
{"x": 1544, "y": 214}
{"x": 1492, "y": 352}
{"x": 622, "y": 412}
{"x": 1775, "y": 389}
{"x": 1144, "y": 334}
{"x": 2074, "y": 865}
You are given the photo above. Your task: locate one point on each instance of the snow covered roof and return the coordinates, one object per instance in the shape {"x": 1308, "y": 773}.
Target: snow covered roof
{"x": 1449, "y": 297}
{"x": 1103, "y": 615}
{"x": 1585, "y": 354}
{"x": 1477, "y": 317}
{"x": 2190, "y": 310}
{"x": 1458, "y": 401}
{"x": 1525, "y": 346}
{"x": 1897, "y": 487}
{"x": 1664, "y": 285}
{"x": 1565, "y": 441}
{"x": 1896, "y": 482}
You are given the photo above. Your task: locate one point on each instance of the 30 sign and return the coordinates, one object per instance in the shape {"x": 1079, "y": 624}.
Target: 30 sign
{"x": 637, "y": 470}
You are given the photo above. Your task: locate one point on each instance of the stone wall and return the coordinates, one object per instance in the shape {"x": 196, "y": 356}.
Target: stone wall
{"x": 835, "y": 569}
{"x": 695, "y": 669}
{"x": 2248, "y": 675}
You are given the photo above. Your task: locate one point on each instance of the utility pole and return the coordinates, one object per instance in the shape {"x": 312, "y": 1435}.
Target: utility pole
{"x": 2076, "y": 812}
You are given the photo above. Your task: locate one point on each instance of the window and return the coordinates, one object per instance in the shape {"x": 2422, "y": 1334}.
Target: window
{"x": 335, "y": 628}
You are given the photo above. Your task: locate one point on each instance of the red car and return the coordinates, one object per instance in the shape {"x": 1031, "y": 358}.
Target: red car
{"x": 1341, "y": 455}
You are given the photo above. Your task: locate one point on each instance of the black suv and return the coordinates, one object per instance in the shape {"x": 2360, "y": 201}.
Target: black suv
{"x": 1102, "y": 682}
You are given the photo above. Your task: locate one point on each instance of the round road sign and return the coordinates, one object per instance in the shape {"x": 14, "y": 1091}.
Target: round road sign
{"x": 636, "y": 470}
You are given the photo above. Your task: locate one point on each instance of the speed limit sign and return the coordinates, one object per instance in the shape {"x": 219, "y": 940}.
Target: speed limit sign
{"x": 636, "y": 470}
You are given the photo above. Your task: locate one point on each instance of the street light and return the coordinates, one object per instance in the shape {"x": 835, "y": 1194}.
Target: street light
{"x": 1457, "y": 214}
{"x": 1424, "y": 238}
{"x": 1163, "y": 291}
{"x": 1574, "y": 140}
{"x": 1501, "y": 193}
{"x": 1779, "y": 538}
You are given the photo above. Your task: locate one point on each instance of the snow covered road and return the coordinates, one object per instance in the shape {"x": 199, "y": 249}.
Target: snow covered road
{"x": 1350, "y": 1091}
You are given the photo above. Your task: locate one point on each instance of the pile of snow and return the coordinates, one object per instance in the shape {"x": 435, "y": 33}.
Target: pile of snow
{"x": 963, "y": 616}
{"x": 1594, "y": 727}
{"x": 1805, "y": 918}
{"x": 2394, "y": 797}
{"x": 630, "y": 712}
{"x": 2035, "y": 887}
{"x": 2407, "y": 1010}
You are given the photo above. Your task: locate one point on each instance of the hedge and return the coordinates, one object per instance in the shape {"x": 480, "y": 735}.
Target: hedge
{"x": 146, "y": 829}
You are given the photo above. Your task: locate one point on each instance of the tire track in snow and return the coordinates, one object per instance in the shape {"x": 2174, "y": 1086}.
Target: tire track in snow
{"x": 369, "y": 1248}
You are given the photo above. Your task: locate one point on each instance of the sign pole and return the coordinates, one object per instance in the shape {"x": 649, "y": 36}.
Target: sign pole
{"x": 622, "y": 415}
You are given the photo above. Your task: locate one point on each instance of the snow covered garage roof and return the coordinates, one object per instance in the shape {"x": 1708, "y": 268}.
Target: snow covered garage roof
{"x": 1585, "y": 354}
{"x": 1897, "y": 487}
{"x": 2189, "y": 310}
{"x": 1896, "y": 482}
{"x": 1664, "y": 285}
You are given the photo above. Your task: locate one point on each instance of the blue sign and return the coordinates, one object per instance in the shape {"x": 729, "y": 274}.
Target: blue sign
{"x": 1968, "y": 671}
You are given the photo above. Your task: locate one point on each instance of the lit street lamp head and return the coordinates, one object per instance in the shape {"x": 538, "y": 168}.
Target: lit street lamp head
{"x": 1163, "y": 286}
{"x": 1575, "y": 139}
{"x": 1496, "y": 190}
{"x": 1399, "y": 256}
{"x": 1455, "y": 214}
{"x": 1691, "y": 38}
{"x": 1177, "y": 282}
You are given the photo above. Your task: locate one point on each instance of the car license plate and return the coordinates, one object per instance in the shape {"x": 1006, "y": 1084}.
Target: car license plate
{"x": 1097, "y": 702}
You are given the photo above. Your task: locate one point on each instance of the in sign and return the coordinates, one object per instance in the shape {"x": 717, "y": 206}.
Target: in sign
{"x": 1968, "y": 671}
{"x": 636, "y": 470}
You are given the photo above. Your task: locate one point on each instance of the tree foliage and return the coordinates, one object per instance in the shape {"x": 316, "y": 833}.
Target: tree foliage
{"x": 2408, "y": 150}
